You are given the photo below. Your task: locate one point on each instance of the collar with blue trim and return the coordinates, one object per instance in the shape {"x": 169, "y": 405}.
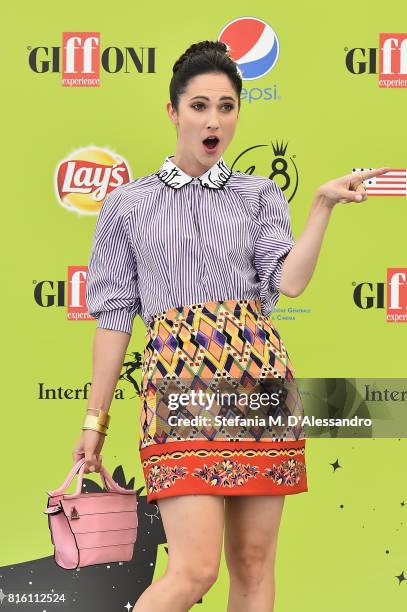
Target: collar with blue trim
{"x": 215, "y": 178}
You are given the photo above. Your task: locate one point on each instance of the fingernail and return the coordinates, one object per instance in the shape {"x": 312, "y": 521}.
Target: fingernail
{"x": 358, "y": 198}
{"x": 92, "y": 468}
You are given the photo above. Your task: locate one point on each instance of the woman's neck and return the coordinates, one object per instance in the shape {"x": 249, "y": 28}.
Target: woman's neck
{"x": 190, "y": 166}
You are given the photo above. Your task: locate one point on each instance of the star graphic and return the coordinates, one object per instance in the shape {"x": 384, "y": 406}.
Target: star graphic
{"x": 128, "y": 606}
{"x": 401, "y": 577}
{"x": 335, "y": 465}
{"x": 2, "y": 596}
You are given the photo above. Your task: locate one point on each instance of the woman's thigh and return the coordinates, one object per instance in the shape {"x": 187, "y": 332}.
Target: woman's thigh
{"x": 193, "y": 525}
{"x": 251, "y": 529}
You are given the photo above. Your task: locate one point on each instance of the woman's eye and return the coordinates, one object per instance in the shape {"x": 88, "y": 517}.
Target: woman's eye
{"x": 200, "y": 104}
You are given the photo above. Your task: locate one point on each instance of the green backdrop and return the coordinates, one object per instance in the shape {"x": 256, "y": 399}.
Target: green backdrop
{"x": 342, "y": 544}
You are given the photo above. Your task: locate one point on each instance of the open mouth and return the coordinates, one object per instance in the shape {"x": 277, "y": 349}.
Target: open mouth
{"x": 211, "y": 143}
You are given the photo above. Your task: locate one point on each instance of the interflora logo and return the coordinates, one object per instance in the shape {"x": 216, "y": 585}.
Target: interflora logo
{"x": 389, "y": 60}
{"x": 82, "y": 58}
{"x": 391, "y": 295}
{"x": 255, "y": 47}
{"x": 86, "y": 176}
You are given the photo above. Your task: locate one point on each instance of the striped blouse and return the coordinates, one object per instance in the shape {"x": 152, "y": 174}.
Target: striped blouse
{"x": 169, "y": 239}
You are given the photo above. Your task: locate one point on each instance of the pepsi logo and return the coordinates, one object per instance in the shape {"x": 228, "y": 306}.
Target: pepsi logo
{"x": 253, "y": 44}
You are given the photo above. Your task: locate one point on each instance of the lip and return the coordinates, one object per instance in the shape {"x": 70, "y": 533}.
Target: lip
{"x": 213, "y": 150}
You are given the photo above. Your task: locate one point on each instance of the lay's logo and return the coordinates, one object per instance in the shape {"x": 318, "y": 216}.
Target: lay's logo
{"x": 84, "y": 178}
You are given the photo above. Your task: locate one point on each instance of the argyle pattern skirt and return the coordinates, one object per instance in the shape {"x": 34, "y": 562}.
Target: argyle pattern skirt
{"x": 191, "y": 446}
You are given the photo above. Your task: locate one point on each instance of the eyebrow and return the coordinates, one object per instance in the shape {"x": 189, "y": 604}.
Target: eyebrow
{"x": 206, "y": 98}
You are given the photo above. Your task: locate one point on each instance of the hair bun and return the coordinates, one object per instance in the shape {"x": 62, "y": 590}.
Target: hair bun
{"x": 204, "y": 57}
{"x": 196, "y": 48}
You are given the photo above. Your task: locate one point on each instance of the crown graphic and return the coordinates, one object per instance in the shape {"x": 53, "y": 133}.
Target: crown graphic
{"x": 280, "y": 149}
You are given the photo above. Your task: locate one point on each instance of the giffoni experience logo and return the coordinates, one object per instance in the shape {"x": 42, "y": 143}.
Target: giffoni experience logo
{"x": 390, "y": 295}
{"x": 80, "y": 59}
{"x": 389, "y": 60}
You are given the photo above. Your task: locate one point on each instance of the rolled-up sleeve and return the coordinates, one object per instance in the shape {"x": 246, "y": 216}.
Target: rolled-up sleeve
{"x": 274, "y": 242}
{"x": 112, "y": 294}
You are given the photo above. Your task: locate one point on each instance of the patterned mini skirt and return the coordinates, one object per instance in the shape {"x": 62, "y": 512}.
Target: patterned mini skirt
{"x": 209, "y": 375}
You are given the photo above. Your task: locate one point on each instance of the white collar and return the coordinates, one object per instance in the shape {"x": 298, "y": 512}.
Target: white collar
{"x": 173, "y": 176}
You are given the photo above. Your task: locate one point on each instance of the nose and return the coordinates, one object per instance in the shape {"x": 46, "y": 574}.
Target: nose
{"x": 213, "y": 120}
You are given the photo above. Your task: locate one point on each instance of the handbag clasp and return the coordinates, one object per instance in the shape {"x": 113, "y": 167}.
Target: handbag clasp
{"x": 74, "y": 513}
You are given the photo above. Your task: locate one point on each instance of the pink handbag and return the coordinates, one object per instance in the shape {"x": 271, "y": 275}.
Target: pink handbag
{"x": 91, "y": 528}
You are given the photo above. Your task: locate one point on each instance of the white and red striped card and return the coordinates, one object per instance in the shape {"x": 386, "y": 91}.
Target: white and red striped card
{"x": 393, "y": 183}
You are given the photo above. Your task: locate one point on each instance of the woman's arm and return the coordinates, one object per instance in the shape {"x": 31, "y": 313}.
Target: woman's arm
{"x": 112, "y": 297}
{"x": 300, "y": 262}
{"x": 109, "y": 348}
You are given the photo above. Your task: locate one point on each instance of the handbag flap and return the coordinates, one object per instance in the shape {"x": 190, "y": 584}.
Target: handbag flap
{"x": 101, "y": 512}
{"x": 99, "y": 503}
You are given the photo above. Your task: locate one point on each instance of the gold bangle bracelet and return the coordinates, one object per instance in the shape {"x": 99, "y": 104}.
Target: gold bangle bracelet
{"x": 93, "y": 421}
{"x": 99, "y": 430}
{"x": 102, "y": 416}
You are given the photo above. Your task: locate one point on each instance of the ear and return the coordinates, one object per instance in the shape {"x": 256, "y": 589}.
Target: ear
{"x": 172, "y": 113}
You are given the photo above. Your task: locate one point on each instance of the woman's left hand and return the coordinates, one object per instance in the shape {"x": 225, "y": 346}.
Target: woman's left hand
{"x": 348, "y": 188}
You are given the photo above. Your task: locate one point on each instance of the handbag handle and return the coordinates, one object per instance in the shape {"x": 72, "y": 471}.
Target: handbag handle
{"x": 108, "y": 482}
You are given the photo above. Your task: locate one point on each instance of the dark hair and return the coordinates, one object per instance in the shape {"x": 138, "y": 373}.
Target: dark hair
{"x": 201, "y": 58}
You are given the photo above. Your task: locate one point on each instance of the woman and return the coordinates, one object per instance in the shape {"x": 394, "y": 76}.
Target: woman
{"x": 202, "y": 253}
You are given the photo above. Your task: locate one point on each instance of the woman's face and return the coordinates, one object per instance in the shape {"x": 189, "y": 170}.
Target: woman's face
{"x": 208, "y": 107}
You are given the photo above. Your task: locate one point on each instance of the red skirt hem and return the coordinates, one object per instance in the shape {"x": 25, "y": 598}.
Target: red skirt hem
{"x": 226, "y": 468}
